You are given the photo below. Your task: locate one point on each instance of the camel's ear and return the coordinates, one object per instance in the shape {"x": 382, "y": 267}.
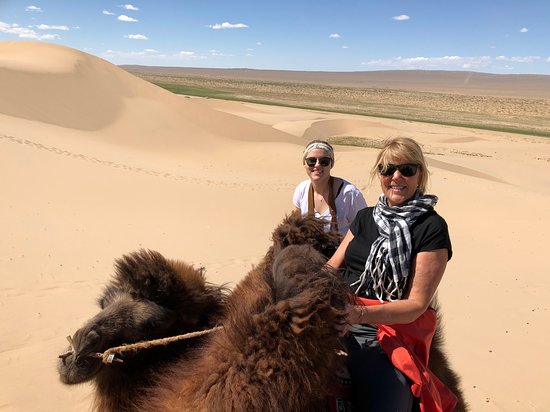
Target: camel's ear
{"x": 280, "y": 236}
{"x": 162, "y": 321}
{"x": 283, "y": 234}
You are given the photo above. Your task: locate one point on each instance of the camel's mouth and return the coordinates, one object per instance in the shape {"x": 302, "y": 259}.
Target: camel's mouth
{"x": 68, "y": 352}
{"x": 75, "y": 367}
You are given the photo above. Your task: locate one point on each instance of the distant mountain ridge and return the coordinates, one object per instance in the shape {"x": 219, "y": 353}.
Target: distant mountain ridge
{"x": 463, "y": 82}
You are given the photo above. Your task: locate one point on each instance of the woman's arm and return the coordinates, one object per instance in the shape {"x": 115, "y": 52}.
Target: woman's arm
{"x": 426, "y": 270}
{"x": 337, "y": 259}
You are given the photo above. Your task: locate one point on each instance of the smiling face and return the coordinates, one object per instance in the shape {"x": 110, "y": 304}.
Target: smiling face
{"x": 397, "y": 188}
{"x": 318, "y": 172}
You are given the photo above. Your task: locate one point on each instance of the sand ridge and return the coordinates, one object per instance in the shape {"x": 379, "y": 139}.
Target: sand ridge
{"x": 206, "y": 181}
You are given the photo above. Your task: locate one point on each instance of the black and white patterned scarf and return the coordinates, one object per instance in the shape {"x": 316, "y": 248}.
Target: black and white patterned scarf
{"x": 388, "y": 264}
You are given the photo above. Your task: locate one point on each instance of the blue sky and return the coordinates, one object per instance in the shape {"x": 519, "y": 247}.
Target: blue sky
{"x": 494, "y": 36}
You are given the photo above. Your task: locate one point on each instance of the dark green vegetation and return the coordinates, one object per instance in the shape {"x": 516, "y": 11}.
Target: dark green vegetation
{"x": 356, "y": 141}
{"x": 529, "y": 116}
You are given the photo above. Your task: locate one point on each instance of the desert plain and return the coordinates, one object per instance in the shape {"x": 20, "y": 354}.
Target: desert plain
{"x": 96, "y": 162}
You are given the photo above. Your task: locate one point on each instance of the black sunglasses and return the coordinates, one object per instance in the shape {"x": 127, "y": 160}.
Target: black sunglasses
{"x": 323, "y": 161}
{"x": 407, "y": 169}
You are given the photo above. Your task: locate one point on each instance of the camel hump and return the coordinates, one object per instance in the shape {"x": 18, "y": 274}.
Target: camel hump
{"x": 147, "y": 274}
{"x": 298, "y": 230}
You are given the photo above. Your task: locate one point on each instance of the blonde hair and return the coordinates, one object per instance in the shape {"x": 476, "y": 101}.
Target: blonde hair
{"x": 406, "y": 150}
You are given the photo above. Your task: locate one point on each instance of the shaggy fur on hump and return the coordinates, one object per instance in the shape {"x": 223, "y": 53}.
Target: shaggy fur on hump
{"x": 298, "y": 230}
{"x": 172, "y": 284}
{"x": 277, "y": 348}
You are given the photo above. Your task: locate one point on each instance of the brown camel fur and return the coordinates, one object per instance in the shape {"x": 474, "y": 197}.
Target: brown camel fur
{"x": 276, "y": 348}
{"x": 440, "y": 365}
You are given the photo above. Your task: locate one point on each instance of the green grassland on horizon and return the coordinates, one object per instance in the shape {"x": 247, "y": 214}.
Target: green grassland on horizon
{"x": 528, "y": 116}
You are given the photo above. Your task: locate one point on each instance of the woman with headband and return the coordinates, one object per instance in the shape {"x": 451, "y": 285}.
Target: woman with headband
{"x": 331, "y": 198}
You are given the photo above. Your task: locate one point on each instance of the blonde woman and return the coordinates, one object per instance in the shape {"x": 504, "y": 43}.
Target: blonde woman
{"x": 394, "y": 255}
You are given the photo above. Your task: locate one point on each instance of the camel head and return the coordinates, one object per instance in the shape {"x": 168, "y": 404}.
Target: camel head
{"x": 149, "y": 297}
{"x": 124, "y": 320}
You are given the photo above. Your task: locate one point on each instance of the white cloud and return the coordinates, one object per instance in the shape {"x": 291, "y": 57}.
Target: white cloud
{"x": 136, "y": 36}
{"x": 33, "y": 8}
{"x": 524, "y": 30}
{"x": 227, "y": 25}
{"x": 519, "y": 59}
{"x": 142, "y": 53}
{"x": 524, "y": 59}
{"x": 258, "y": 43}
{"x": 187, "y": 54}
{"x": 107, "y": 13}
{"x": 147, "y": 55}
{"x": 432, "y": 63}
{"x": 24, "y": 32}
{"x": 125, "y": 18}
{"x": 334, "y": 36}
{"x": 345, "y": 47}
{"x": 218, "y": 53}
{"x": 401, "y": 17}
{"x": 130, "y": 7}
{"x": 48, "y": 37}
{"x": 48, "y": 27}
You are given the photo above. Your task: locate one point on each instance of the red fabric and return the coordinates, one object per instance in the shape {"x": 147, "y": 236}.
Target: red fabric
{"x": 408, "y": 347}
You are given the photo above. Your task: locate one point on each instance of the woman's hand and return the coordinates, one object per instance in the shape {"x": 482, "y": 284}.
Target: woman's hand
{"x": 337, "y": 259}
{"x": 342, "y": 328}
{"x": 354, "y": 314}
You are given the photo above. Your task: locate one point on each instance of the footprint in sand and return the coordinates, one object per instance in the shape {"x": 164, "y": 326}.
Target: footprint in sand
{"x": 151, "y": 172}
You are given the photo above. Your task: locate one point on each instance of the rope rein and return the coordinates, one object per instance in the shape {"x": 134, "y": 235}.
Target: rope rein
{"x": 109, "y": 356}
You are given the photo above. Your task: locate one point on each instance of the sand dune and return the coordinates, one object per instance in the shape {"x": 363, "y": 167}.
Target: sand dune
{"x": 96, "y": 163}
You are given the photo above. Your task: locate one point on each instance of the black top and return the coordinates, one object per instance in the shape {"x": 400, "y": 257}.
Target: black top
{"x": 429, "y": 232}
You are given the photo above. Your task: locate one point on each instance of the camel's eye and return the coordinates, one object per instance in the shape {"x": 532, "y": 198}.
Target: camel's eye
{"x": 82, "y": 361}
{"x": 93, "y": 336}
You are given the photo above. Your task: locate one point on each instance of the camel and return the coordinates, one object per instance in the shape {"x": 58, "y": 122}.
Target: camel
{"x": 276, "y": 349}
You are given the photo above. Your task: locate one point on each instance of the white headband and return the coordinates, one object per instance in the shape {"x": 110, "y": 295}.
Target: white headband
{"x": 319, "y": 145}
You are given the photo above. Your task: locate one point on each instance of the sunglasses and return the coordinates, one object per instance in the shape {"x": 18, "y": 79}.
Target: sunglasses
{"x": 407, "y": 169}
{"x": 323, "y": 161}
